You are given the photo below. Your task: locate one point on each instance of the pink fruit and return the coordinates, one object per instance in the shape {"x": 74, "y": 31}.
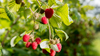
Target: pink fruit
{"x": 26, "y": 37}
{"x": 52, "y": 52}
{"x": 44, "y": 20}
{"x": 34, "y": 45}
{"x": 28, "y": 44}
{"x": 49, "y": 12}
{"x": 44, "y": 51}
{"x": 38, "y": 40}
{"x": 59, "y": 47}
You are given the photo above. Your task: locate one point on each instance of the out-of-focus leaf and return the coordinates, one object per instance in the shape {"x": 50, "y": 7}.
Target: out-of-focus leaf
{"x": 13, "y": 6}
{"x": 54, "y": 47}
{"x": 4, "y": 23}
{"x": 42, "y": 27}
{"x": 2, "y": 31}
{"x": 63, "y": 13}
{"x": 77, "y": 15}
{"x": 20, "y": 51}
{"x": 51, "y": 2}
{"x": 12, "y": 41}
{"x": 59, "y": 32}
{"x": 3, "y": 14}
{"x": 56, "y": 21}
{"x": 27, "y": 13}
{"x": 17, "y": 40}
{"x": 59, "y": 2}
{"x": 9, "y": 14}
{"x": 5, "y": 52}
{"x": 27, "y": 3}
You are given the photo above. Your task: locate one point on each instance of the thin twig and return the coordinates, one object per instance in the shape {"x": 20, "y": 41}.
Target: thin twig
{"x": 43, "y": 2}
{"x": 49, "y": 31}
{"x": 39, "y": 3}
{"x": 9, "y": 31}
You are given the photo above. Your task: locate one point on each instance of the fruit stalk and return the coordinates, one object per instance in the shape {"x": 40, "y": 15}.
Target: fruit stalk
{"x": 49, "y": 30}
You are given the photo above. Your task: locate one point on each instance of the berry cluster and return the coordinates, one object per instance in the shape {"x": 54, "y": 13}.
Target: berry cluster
{"x": 34, "y": 44}
{"x": 48, "y": 14}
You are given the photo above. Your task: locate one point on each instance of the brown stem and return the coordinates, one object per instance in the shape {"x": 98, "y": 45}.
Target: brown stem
{"x": 9, "y": 31}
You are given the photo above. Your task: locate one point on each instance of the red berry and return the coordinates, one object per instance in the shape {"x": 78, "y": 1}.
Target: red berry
{"x": 44, "y": 51}
{"x": 59, "y": 47}
{"x": 38, "y": 40}
{"x": 44, "y": 20}
{"x": 49, "y": 12}
{"x": 34, "y": 45}
{"x": 26, "y": 37}
{"x": 28, "y": 44}
{"x": 52, "y": 52}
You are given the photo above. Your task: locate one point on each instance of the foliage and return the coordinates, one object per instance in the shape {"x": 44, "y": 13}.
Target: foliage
{"x": 69, "y": 22}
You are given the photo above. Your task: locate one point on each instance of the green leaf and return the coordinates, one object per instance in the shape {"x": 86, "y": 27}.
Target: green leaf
{"x": 60, "y": 32}
{"x": 56, "y": 21}
{"x": 9, "y": 14}
{"x": 54, "y": 47}
{"x": 63, "y": 13}
{"x": 21, "y": 51}
{"x": 17, "y": 40}
{"x": 51, "y": 2}
{"x": 27, "y": 13}
{"x": 47, "y": 49}
{"x": 3, "y": 14}
{"x": 77, "y": 15}
{"x": 12, "y": 41}
{"x": 42, "y": 27}
{"x": 4, "y": 23}
{"x": 13, "y": 6}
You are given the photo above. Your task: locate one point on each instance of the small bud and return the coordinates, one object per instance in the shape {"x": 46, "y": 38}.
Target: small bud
{"x": 52, "y": 41}
{"x": 36, "y": 26}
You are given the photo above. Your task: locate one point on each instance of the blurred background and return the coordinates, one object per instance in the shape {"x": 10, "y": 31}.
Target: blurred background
{"x": 84, "y": 32}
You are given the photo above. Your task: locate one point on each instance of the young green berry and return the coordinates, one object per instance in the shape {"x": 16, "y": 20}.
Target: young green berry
{"x": 59, "y": 47}
{"x": 38, "y": 40}
{"x": 28, "y": 44}
{"x": 18, "y": 1}
{"x": 26, "y": 37}
{"x": 34, "y": 45}
{"x": 49, "y": 13}
{"x": 44, "y": 20}
{"x": 41, "y": 11}
{"x": 36, "y": 26}
{"x": 52, "y": 52}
